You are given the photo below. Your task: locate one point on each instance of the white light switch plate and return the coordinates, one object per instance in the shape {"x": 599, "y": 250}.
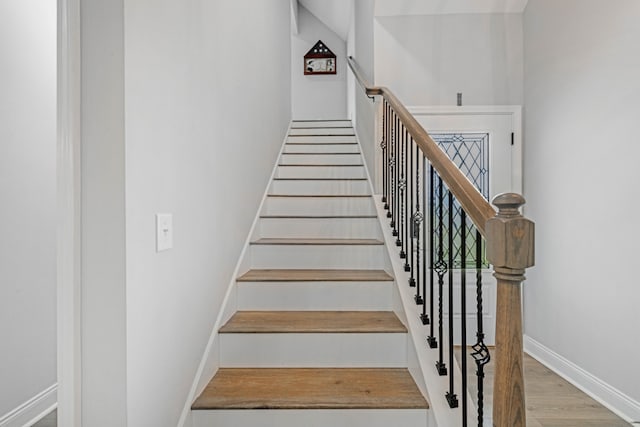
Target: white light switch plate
{"x": 164, "y": 232}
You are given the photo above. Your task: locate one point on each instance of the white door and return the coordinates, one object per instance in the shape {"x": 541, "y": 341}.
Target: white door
{"x": 485, "y": 143}
{"x": 486, "y": 139}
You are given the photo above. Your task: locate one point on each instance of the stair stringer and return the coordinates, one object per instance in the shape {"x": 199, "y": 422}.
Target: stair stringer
{"x": 401, "y": 300}
{"x": 420, "y": 358}
{"x": 210, "y": 361}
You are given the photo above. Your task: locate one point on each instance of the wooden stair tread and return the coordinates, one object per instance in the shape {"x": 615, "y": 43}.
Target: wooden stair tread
{"x": 307, "y": 241}
{"x": 288, "y": 275}
{"x": 317, "y": 216}
{"x": 320, "y": 120}
{"x": 321, "y": 127}
{"x": 308, "y": 388}
{"x": 320, "y": 134}
{"x": 311, "y": 153}
{"x": 319, "y": 195}
{"x": 322, "y": 165}
{"x": 328, "y": 322}
{"x": 320, "y": 179}
{"x": 321, "y": 143}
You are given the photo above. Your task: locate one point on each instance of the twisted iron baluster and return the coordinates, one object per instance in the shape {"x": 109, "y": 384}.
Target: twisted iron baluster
{"x": 424, "y": 316}
{"x": 415, "y": 232}
{"x": 402, "y": 185}
{"x": 451, "y": 396}
{"x": 431, "y": 339}
{"x": 441, "y": 269}
{"x": 480, "y": 351}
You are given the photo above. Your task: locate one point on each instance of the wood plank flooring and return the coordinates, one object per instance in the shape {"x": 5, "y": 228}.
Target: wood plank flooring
{"x": 284, "y": 275}
{"x": 314, "y": 322}
{"x": 551, "y": 401}
{"x": 311, "y": 388}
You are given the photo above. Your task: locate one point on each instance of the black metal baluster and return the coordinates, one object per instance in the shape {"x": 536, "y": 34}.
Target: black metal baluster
{"x": 389, "y": 157}
{"x": 441, "y": 269}
{"x": 409, "y": 208}
{"x": 463, "y": 312}
{"x": 396, "y": 163}
{"x": 451, "y": 396}
{"x": 415, "y": 229}
{"x": 401, "y": 190}
{"x": 424, "y": 316}
{"x": 384, "y": 145}
{"x": 392, "y": 168}
{"x": 480, "y": 351}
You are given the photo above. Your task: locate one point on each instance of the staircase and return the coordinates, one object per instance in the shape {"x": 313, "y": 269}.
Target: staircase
{"x": 315, "y": 340}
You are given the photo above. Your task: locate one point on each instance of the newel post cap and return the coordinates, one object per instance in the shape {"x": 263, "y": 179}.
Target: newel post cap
{"x": 510, "y": 236}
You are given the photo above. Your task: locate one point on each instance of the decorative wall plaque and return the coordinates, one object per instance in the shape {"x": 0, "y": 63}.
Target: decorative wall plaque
{"x": 320, "y": 60}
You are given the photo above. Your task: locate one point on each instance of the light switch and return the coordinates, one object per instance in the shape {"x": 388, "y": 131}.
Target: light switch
{"x": 164, "y": 232}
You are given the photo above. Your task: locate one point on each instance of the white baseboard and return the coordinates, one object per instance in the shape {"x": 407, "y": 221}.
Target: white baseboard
{"x": 32, "y": 410}
{"x": 616, "y": 401}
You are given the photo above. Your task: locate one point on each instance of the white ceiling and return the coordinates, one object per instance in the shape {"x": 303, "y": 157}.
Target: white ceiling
{"x": 335, "y": 14}
{"x": 446, "y": 7}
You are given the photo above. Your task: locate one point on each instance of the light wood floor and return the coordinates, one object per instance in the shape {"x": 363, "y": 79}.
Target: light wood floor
{"x": 551, "y": 401}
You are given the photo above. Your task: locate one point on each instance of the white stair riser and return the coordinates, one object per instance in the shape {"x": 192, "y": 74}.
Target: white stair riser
{"x": 298, "y": 350}
{"x": 312, "y": 418}
{"x": 321, "y": 148}
{"x": 319, "y": 206}
{"x": 316, "y": 296}
{"x": 321, "y": 172}
{"x": 317, "y": 256}
{"x": 321, "y": 159}
{"x": 322, "y": 187}
{"x": 345, "y": 228}
{"x": 319, "y": 124}
{"x": 322, "y": 131}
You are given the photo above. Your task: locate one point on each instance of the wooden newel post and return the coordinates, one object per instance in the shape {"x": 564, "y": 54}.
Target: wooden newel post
{"x": 510, "y": 249}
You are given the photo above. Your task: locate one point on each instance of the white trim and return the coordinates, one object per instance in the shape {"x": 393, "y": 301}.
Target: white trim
{"x": 69, "y": 214}
{"x": 616, "y": 401}
{"x": 32, "y": 410}
{"x": 210, "y": 361}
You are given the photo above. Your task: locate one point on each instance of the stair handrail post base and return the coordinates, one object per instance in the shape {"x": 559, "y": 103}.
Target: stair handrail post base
{"x": 510, "y": 249}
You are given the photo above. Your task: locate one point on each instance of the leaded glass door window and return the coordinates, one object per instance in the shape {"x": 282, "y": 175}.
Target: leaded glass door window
{"x": 470, "y": 152}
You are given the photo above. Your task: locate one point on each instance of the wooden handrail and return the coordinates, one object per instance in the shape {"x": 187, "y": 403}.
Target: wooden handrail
{"x": 510, "y": 250}
{"x": 476, "y": 206}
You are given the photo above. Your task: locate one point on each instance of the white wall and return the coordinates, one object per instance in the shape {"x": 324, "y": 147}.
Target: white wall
{"x": 317, "y": 97}
{"x": 427, "y": 60}
{"x": 582, "y": 64}
{"x": 208, "y": 100}
{"x": 361, "y": 47}
{"x": 28, "y": 200}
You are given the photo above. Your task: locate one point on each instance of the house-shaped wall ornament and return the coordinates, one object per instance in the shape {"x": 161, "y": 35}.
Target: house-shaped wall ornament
{"x": 320, "y": 60}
